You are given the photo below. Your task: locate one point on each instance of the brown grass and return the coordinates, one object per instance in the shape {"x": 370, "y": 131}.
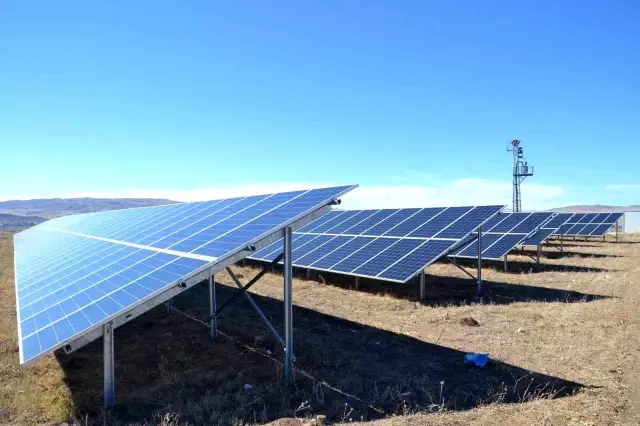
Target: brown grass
{"x": 563, "y": 344}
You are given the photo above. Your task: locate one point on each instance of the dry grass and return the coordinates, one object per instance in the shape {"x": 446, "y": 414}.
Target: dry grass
{"x": 563, "y": 343}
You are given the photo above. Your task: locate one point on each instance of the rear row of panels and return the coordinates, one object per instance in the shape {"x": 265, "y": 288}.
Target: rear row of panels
{"x": 393, "y": 259}
{"x": 589, "y": 224}
{"x": 436, "y": 222}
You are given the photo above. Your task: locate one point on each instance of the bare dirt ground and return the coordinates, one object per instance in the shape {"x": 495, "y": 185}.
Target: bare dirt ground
{"x": 563, "y": 344}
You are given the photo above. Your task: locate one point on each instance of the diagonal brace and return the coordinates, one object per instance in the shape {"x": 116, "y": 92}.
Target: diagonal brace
{"x": 248, "y": 286}
{"x": 463, "y": 270}
{"x": 256, "y": 307}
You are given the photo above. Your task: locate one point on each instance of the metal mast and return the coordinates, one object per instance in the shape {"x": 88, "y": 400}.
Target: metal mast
{"x": 520, "y": 172}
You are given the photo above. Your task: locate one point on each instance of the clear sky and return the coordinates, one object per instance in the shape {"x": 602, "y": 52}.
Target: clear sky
{"x": 415, "y": 101}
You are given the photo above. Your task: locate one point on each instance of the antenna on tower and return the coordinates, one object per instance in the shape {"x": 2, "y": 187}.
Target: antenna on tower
{"x": 521, "y": 170}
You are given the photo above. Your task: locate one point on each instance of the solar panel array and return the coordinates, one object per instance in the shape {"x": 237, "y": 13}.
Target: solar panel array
{"x": 589, "y": 224}
{"x": 501, "y": 234}
{"x": 75, "y": 273}
{"x": 388, "y": 244}
{"x": 546, "y": 230}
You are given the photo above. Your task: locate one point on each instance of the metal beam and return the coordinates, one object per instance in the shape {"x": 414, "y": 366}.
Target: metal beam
{"x": 248, "y": 286}
{"x": 255, "y": 306}
{"x": 464, "y": 270}
{"x": 288, "y": 304}
{"x": 423, "y": 286}
{"x": 480, "y": 289}
{"x": 213, "y": 317}
{"x": 109, "y": 367}
{"x": 169, "y": 305}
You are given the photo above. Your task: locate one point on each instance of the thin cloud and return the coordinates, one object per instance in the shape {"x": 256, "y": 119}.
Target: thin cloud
{"x": 623, "y": 187}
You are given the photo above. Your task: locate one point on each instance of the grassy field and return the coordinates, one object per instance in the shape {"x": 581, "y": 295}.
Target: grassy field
{"x": 563, "y": 344}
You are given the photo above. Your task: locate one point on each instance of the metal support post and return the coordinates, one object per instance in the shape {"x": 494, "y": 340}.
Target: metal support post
{"x": 423, "y": 287}
{"x": 109, "y": 367}
{"x": 506, "y": 268}
{"x": 562, "y": 244}
{"x": 308, "y": 274}
{"x": 288, "y": 304}
{"x": 213, "y": 318}
{"x": 169, "y": 305}
{"x": 480, "y": 289}
{"x": 539, "y": 252}
{"x": 357, "y": 283}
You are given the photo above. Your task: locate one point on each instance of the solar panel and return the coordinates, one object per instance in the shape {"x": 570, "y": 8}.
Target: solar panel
{"x": 589, "y": 224}
{"x": 546, "y": 230}
{"x": 389, "y": 244}
{"x": 76, "y": 273}
{"x": 502, "y": 234}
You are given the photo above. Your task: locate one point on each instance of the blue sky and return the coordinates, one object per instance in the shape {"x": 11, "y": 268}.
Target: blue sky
{"x": 414, "y": 100}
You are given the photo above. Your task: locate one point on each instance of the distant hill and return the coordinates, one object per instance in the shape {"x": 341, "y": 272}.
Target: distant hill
{"x": 597, "y": 208}
{"x": 55, "y": 207}
{"x": 11, "y": 221}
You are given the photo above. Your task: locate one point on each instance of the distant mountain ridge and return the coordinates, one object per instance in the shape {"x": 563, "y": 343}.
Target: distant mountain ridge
{"x": 55, "y": 207}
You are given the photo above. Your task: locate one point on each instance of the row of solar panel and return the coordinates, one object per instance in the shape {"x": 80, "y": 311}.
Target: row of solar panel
{"x": 503, "y": 232}
{"x": 435, "y": 222}
{"x": 589, "y": 224}
{"x": 385, "y": 244}
{"x": 393, "y": 259}
{"x": 76, "y": 272}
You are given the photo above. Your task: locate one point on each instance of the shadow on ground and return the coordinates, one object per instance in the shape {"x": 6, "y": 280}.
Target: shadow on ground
{"x": 558, "y": 255}
{"x": 165, "y": 363}
{"x": 448, "y": 290}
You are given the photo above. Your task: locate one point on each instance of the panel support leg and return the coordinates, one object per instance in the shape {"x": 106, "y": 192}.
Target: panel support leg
{"x": 213, "y": 318}
{"x": 357, "y": 283}
{"x": 423, "y": 286}
{"x": 561, "y": 244}
{"x": 288, "y": 304}
{"x": 308, "y": 274}
{"x": 109, "y": 367}
{"x": 480, "y": 284}
{"x": 169, "y": 305}
{"x": 539, "y": 252}
{"x": 506, "y": 268}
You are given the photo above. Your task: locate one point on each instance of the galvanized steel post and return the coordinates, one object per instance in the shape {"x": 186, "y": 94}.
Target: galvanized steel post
{"x": 423, "y": 289}
{"x": 109, "y": 367}
{"x": 288, "y": 304}
{"x": 213, "y": 319}
{"x": 479, "y": 260}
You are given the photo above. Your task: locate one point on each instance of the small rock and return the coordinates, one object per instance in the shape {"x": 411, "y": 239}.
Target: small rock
{"x": 248, "y": 387}
{"x": 321, "y": 420}
{"x": 469, "y": 321}
{"x": 521, "y": 330}
{"x": 268, "y": 352}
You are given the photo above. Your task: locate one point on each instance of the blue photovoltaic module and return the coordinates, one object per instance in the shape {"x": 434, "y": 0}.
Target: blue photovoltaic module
{"x": 75, "y": 273}
{"x": 387, "y": 244}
